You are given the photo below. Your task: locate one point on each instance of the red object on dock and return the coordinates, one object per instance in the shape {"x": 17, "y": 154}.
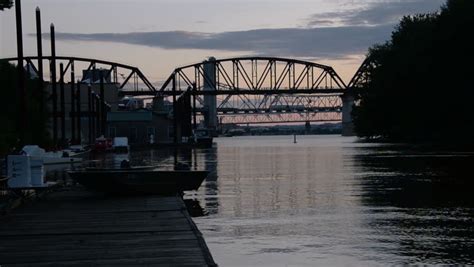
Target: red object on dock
{"x": 102, "y": 144}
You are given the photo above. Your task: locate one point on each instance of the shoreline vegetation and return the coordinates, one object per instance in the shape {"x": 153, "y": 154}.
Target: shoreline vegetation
{"x": 419, "y": 85}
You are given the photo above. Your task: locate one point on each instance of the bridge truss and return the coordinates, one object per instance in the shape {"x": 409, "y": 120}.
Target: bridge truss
{"x": 128, "y": 78}
{"x": 261, "y": 89}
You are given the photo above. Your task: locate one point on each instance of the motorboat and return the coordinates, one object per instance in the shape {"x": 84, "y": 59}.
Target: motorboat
{"x": 139, "y": 181}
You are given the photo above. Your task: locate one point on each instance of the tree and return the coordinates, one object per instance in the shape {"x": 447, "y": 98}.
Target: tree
{"x": 422, "y": 86}
{"x": 5, "y": 4}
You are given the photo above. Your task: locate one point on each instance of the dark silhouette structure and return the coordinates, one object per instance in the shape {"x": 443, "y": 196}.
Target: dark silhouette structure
{"x": 418, "y": 86}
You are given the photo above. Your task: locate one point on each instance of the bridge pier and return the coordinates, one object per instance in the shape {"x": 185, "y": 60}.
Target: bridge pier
{"x": 347, "y": 124}
{"x": 210, "y": 103}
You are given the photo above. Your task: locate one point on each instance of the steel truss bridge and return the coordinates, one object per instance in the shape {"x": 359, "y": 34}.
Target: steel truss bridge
{"x": 128, "y": 78}
{"x": 261, "y": 89}
{"x": 248, "y": 90}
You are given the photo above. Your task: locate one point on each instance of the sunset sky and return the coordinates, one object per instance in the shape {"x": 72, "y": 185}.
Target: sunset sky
{"x": 159, "y": 35}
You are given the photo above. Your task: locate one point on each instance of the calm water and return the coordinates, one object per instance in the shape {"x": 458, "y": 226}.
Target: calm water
{"x": 330, "y": 201}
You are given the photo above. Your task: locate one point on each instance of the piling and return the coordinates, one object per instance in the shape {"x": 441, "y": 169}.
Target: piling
{"x": 78, "y": 112}
{"x": 72, "y": 114}
{"x": 89, "y": 113}
{"x": 39, "y": 46}
{"x": 62, "y": 104}
{"x": 53, "y": 84}
{"x": 98, "y": 115}
{"x": 22, "y": 123}
{"x": 102, "y": 106}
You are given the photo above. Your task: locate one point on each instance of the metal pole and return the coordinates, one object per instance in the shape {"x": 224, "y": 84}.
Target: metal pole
{"x": 53, "y": 84}
{"x": 72, "y": 114}
{"x": 175, "y": 115}
{"x": 102, "y": 102}
{"x": 63, "y": 108}
{"x": 39, "y": 46}
{"x": 78, "y": 112}
{"x": 21, "y": 74}
{"x": 89, "y": 112}
{"x": 94, "y": 110}
{"x": 93, "y": 133}
{"x": 194, "y": 106}
{"x": 98, "y": 115}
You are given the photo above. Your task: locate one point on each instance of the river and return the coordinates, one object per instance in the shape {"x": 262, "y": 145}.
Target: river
{"x": 331, "y": 201}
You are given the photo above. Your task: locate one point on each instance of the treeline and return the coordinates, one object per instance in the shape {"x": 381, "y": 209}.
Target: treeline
{"x": 36, "y": 131}
{"x": 420, "y": 88}
{"x": 5, "y": 4}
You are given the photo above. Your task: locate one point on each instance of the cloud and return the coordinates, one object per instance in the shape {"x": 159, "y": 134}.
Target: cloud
{"x": 326, "y": 36}
{"x": 377, "y": 13}
{"x": 329, "y": 42}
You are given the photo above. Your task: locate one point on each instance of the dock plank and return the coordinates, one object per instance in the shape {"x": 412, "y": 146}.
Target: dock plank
{"x": 77, "y": 228}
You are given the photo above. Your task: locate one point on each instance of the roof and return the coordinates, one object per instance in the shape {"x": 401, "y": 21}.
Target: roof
{"x": 135, "y": 115}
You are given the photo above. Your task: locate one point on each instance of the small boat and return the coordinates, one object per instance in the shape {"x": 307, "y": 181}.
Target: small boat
{"x": 139, "y": 181}
{"x": 135, "y": 168}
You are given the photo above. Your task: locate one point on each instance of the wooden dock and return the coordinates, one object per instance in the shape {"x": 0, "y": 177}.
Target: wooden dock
{"x": 77, "y": 228}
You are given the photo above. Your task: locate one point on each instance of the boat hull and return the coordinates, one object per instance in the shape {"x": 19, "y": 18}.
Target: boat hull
{"x": 140, "y": 181}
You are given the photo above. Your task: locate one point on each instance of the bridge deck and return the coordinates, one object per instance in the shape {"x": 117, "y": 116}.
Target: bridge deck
{"x": 79, "y": 228}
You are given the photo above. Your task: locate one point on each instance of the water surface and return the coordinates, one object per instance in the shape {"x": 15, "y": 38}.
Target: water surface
{"x": 328, "y": 200}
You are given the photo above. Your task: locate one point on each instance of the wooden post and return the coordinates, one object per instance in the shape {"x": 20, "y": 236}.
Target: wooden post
{"x": 175, "y": 112}
{"x": 72, "y": 114}
{"x": 78, "y": 112}
{"x": 89, "y": 112}
{"x": 62, "y": 102}
{"x": 39, "y": 46}
{"x": 98, "y": 115}
{"x": 22, "y": 123}
{"x": 102, "y": 106}
{"x": 53, "y": 85}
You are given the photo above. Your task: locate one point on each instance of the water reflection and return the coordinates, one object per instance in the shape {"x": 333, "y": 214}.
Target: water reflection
{"x": 433, "y": 222}
{"x": 330, "y": 201}
{"x": 194, "y": 208}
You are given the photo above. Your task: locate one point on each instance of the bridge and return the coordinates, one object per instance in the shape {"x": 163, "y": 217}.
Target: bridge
{"x": 259, "y": 90}
{"x": 241, "y": 90}
{"x": 128, "y": 78}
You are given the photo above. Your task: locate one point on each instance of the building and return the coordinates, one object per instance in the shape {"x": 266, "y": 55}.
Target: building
{"x": 143, "y": 126}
